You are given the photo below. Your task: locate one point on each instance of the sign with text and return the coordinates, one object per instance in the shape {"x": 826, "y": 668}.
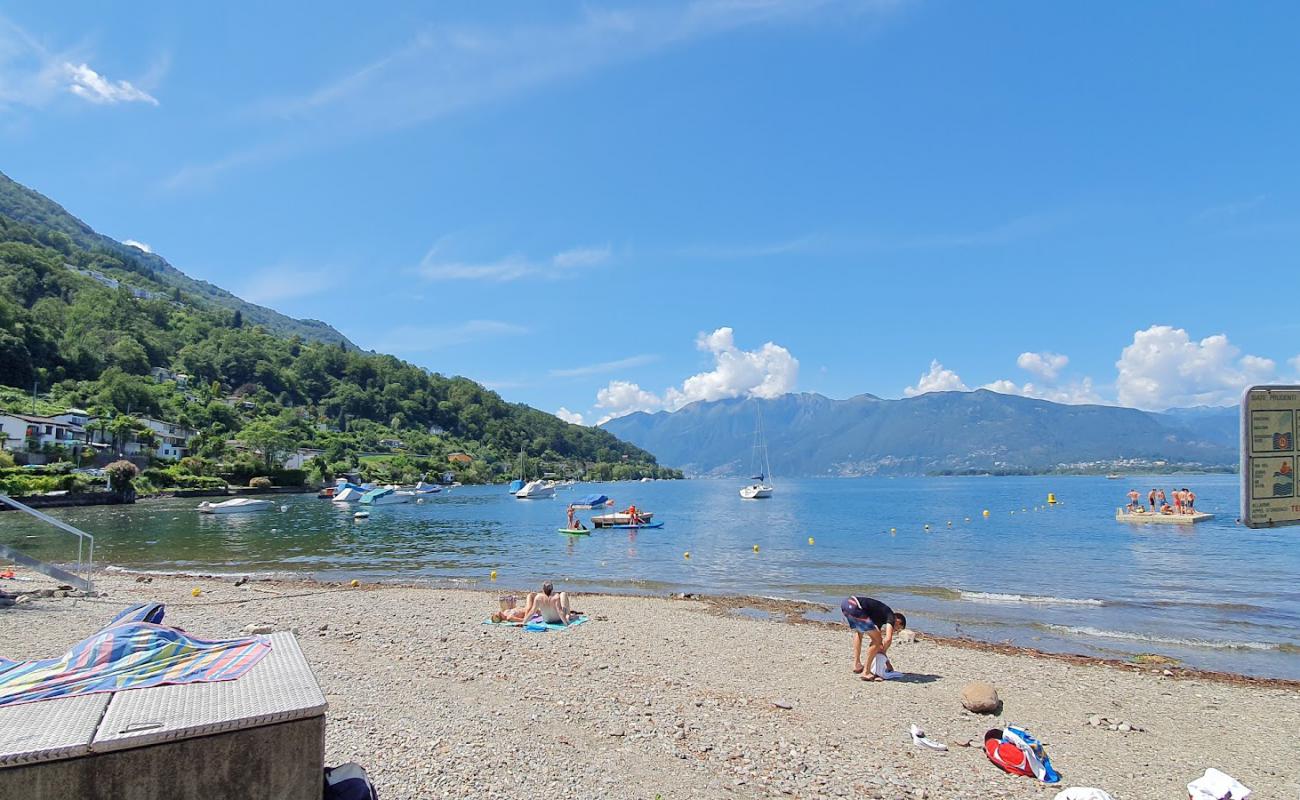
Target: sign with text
{"x": 1268, "y": 456}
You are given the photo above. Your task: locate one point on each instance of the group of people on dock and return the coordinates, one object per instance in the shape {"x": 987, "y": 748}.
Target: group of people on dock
{"x": 1158, "y": 502}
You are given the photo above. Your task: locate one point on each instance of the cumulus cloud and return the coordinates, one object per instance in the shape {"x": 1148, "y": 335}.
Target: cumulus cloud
{"x": 1073, "y": 393}
{"x": 620, "y": 398}
{"x": 768, "y": 371}
{"x": 137, "y": 245}
{"x": 1164, "y": 368}
{"x": 1045, "y": 365}
{"x": 938, "y": 379}
{"x": 569, "y": 416}
{"x": 88, "y": 84}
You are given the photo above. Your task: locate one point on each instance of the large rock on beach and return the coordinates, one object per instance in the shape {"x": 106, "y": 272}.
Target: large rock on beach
{"x": 980, "y": 697}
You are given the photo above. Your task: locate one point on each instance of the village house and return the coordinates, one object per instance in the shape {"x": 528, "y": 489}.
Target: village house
{"x": 27, "y": 433}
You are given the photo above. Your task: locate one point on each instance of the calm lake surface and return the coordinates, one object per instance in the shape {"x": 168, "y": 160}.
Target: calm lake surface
{"x": 1066, "y": 578}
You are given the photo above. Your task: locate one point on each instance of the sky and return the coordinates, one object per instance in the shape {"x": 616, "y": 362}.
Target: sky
{"x": 602, "y": 208}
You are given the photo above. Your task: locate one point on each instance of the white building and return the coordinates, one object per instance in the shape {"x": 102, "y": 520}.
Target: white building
{"x": 26, "y": 433}
{"x": 173, "y": 440}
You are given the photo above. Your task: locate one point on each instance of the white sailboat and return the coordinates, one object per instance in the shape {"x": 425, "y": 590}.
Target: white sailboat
{"x": 761, "y": 488}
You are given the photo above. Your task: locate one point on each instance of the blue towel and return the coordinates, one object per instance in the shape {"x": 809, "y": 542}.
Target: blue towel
{"x": 537, "y": 626}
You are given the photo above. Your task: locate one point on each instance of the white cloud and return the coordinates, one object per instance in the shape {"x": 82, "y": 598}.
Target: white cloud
{"x": 938, "y": 379}
{"x": 769, "y": 371}
{"x": 565, "y": 264}
{"x": 1164, "y": 368}
{"x": 605, "y": 366}
{"x": 137, "y": 245}
{"x": 1295, "y": 363}
{"x": 421, "y": 338}
{"x": 1045, "y": 365}
{"x": 1073, "y": 393}
{"x": 624, "y": 397}
{"x": 569, "y": 416}
{"x": 88, "y": 84}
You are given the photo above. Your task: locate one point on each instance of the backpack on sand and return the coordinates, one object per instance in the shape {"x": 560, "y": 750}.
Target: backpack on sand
{"x": 348, "y": 782}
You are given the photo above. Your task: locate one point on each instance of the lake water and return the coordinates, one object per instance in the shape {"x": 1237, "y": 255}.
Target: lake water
{"x": 1066, "y": 578}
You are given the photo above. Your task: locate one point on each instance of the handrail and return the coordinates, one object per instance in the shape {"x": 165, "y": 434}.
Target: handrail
{"x": 85, "y": 549}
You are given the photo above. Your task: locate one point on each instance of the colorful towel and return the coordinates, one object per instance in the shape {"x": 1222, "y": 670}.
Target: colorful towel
{"x": 130, "y": 653}
{"x": 537, "y": 626}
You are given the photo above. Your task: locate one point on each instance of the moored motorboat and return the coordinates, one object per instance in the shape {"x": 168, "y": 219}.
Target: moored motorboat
{"x": 536, "y": 490}
{"x": 591, "y": 501}
{"x": 427, "y": 488}
{"x": 236, "y": 505}
{"x": 349, "y": 494}
{"x": 386, "y": 496}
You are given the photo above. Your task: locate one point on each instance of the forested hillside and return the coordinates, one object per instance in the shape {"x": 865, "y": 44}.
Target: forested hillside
{"x": 86, "y": 343}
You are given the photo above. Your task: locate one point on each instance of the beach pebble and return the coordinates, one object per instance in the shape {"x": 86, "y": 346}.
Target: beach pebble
{"x": 1094, "y": 721}
{"x": 259, "y": 628}
{"x": 906, "y": 636}
{"x": 980, "y": 697}
{"x": 780, "y": 704}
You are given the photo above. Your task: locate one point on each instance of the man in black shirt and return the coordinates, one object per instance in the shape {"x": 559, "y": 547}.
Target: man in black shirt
{"x": 869, "y": 617}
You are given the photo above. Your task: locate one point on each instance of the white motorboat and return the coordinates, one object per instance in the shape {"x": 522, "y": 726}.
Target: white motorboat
{"x": 386, "y": 496}
{"x": 760, "y": 489}
{"x": 237, "y": 505}
{"x": 427, "y": 488}
{"x": 349, "y": 495}
{"x": 620, "y": 518}
{"x": 536, "y": 490}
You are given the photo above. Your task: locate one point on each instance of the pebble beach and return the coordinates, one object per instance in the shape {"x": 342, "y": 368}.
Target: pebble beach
{"x": 672, "y": 698}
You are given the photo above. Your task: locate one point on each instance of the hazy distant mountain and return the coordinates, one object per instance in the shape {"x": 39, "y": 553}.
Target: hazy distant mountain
{"x": 30, "y": 206}
{"x": 812, "y": 435}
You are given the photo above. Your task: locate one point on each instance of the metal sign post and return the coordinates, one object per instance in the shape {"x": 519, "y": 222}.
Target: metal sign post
{"x": 1270, "y": 416}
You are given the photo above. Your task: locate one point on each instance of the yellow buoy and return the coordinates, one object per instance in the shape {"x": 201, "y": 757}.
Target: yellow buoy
{"x": 355, "y": 583}
{"x": 1051, "y": 498}
{"x": 196, "y": 591}
{"x": 687, "y": 554}
{"x": 810, "y": 540}
{"x": 494, "y": 575}
{"x": 986, "y": 512}
{"x": 755, "y": 548}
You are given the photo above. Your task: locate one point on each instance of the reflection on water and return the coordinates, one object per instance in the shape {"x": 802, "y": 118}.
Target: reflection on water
{"x": 1066, "y": 577}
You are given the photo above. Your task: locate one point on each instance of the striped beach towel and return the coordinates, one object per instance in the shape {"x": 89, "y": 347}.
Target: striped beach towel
{"x": 134, "y": 651}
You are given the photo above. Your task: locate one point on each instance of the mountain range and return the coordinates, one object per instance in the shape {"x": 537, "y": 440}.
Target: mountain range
{"x": 810, "y": 435}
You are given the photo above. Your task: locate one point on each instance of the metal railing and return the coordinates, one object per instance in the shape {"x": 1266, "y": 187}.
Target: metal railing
{"x": 85, "y": 550}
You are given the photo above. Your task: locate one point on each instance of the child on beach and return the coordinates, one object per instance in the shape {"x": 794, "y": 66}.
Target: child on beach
{"x": 869, "y": 617}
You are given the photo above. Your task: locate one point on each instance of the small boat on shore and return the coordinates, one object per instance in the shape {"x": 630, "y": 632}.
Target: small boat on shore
{"x": 1124, "y": 515}
{"x": 237, "y": 505}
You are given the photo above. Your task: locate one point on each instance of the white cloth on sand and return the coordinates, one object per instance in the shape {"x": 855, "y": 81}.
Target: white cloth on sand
{"x": 1082, "y": 793}
{"x": 1215, "y": 785}
{"x": 880, "y": 668}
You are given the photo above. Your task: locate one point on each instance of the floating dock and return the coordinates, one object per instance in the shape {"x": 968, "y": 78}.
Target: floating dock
{"x": 1122, "y": 515}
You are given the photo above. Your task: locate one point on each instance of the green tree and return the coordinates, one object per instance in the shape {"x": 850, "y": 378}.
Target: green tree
{"x": 269, "y": 440}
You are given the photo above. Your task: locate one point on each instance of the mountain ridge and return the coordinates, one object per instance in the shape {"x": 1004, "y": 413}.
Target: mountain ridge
{"x": 812, "y": 435}
{"x": 28, "y": 206}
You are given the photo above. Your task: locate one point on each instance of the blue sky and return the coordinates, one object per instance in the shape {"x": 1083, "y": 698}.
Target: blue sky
{"x": 572, "y": 203}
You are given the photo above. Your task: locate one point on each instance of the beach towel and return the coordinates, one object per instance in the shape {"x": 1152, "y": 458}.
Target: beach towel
{"x": 1216, "y": 785}
{"x": 1014, "y": 750}
{"x": 132, "y": 652}
{"x": 537, "y": 626}
{"x": 880, "y": 668}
